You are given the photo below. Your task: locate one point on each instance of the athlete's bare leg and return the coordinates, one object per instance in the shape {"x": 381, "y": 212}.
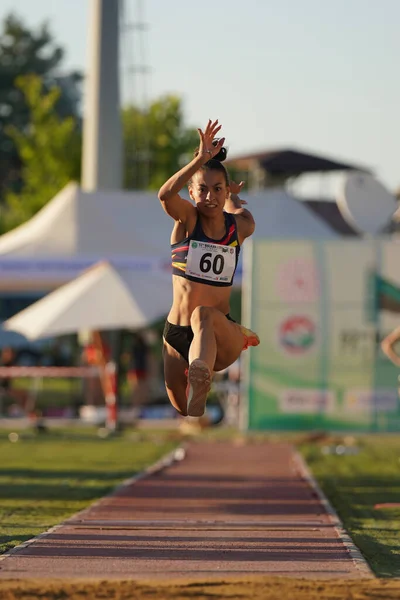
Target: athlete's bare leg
{"x": 216, "y": 344}
{"x": 175, "y": 373}
{"x": 204, "y": 344}
{"x": 217, "y": 341}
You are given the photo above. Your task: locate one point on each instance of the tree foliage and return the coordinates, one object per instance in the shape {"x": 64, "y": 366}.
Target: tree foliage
{"x": 24, "y": 52}
{"x": 156, "y": 142}
{"x": 40, "y": 140}
{"x": 49, "y": 150}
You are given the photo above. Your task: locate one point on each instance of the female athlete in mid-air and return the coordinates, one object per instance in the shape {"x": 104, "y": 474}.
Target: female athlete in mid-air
{"x": 199, "y": 336}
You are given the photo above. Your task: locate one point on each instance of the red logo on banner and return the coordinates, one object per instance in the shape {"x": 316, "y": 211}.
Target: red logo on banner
{"x": 297, "y": 334}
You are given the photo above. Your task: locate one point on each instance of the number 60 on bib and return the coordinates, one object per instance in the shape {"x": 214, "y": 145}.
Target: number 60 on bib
{"x": 211, "y": 262}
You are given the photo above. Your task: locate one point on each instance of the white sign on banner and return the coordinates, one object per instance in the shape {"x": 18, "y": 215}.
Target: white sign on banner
{"x": 307, "y": 401}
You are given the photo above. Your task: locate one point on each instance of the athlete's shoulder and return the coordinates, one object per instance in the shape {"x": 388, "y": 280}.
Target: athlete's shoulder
{"x": 245, "y": 224}
{"x": 177, "y": 207}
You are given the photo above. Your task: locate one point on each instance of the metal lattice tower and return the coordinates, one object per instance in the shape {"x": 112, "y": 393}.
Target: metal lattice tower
{"x": 135, "y": 74}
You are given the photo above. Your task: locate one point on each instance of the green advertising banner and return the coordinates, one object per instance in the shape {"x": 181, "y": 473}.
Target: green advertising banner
{"x": 321, "y": 309}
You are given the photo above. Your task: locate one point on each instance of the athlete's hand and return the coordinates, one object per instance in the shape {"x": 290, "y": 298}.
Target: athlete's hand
{"x": 235, "y": 189}
{"x": 207, "y": 148}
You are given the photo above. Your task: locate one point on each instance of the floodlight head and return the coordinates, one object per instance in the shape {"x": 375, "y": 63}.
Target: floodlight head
{"x": 365, "y": 203}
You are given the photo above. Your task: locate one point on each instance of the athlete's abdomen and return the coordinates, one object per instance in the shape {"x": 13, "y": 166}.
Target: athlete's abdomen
{"x": 190, "y": 294}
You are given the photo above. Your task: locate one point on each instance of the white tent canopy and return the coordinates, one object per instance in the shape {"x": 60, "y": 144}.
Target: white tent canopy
{"x": 106, "y": 224}
{"x": 99, "y": 224}
{"x": 101, "y": 298}
{"x": 278, "y": 215}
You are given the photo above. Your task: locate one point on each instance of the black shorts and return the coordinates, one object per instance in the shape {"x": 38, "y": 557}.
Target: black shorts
{"x": 180, "y": 337}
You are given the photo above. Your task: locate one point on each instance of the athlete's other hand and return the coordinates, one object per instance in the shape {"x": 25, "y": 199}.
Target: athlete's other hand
{"x": 207, "y": 148}
{"x": 235, "y": 189}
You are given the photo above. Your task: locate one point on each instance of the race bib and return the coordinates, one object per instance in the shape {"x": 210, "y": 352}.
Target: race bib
{"x": 211, "y": 262}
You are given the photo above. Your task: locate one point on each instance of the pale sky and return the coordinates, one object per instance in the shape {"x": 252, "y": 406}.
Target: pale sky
{"x": 317, "y": 76}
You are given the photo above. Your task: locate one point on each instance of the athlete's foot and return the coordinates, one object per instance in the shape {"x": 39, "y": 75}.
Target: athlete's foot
{"x": 251, "y": 338}
{"x": 199, "y": 384}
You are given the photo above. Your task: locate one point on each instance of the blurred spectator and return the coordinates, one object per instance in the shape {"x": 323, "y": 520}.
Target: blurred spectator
{"x": 59, "y": 354}
{"x": 9, "y": 358}
{"x": 91, "y": 356}
{"x": 93, "y": 390}
{"x": 139, "y": 371}
{"x": 227, "y": 386}
{"x": 390, "y": 346}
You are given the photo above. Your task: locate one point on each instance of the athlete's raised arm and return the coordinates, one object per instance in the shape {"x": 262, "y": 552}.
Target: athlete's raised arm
{"x": 234, "y": 205}
{"x": 176, "y": 207}
{"x": 388, "y": 344}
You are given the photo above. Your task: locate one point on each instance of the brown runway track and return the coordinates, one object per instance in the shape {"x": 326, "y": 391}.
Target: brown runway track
{"x": 224, "y": 510}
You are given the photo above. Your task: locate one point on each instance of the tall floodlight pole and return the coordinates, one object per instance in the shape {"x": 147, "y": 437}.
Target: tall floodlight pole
{"x": 102, "y": 146}
{"x": 102, "y": 130}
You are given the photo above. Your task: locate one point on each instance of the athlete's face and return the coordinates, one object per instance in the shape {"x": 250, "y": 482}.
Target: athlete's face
{"x": 209, "y": 190}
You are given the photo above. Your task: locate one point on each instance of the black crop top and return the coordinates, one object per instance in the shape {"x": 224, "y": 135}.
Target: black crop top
{"x": 202, "y": 259}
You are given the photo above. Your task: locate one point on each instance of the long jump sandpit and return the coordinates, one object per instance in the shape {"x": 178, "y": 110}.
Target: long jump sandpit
{"x": 216, "y": 510}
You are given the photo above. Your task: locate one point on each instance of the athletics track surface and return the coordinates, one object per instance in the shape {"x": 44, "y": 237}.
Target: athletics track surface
{"x": 225, "y": 509}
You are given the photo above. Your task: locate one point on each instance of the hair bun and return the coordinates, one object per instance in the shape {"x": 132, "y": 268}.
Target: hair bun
{"x": 220, "y": 157}
{"x": 222, "y": 154}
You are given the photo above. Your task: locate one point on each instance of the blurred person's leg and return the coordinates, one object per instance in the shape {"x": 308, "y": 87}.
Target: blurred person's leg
{"x": 140, "y": 390}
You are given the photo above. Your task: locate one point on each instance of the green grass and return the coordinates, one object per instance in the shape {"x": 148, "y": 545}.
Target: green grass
{"x": 46, "y": 478}
{"x": 354, "y": 484}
